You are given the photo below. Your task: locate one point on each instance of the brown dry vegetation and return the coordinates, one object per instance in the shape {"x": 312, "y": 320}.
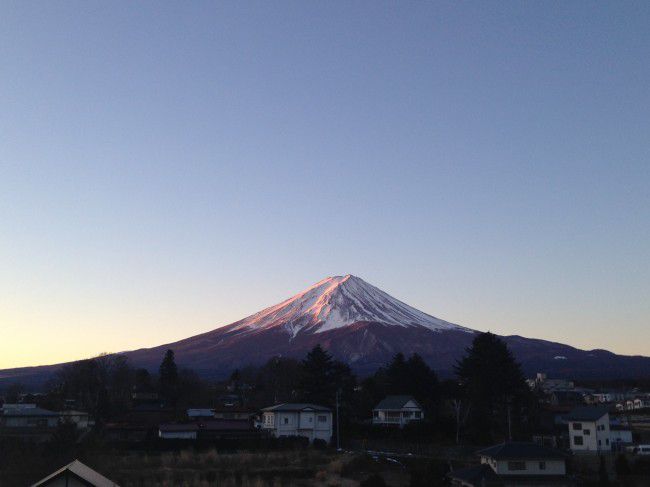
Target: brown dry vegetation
{"x": 247, "y": 469}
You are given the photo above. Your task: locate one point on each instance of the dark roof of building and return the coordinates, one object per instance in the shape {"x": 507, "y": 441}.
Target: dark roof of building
{"x": 28, "y": 412}
{"x": 476, "y": 475}
{"x": 587, "y": 413}
{"x": 395, "y": 402}
{"x": 294, "y": 407}
{"x": 233, "y": 409}
{"x": 520, "y": 450}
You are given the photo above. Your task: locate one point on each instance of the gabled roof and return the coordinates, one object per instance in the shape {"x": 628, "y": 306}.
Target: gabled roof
{"x": 40, "y": 412}
{"x": 477, "y": 475}
{"x": 296, "y": 407}
{"x": 516, "y": 450}
{"x": 587, "y": 413}
{"x": 81, "y": 471}
{"x": 395, "y": 402}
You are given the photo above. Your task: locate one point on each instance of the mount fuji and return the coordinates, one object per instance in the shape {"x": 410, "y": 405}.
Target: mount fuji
{"x": 363, "y": 326}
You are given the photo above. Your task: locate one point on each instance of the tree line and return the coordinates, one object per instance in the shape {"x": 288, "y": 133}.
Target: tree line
{"x": 486, "y": 400}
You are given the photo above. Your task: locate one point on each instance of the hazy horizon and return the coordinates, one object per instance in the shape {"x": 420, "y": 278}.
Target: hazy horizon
{"x": 169, "y": 168}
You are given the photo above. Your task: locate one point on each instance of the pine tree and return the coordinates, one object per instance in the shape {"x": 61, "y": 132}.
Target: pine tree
{"x": 495, "y": 387}
{"x": 169, "y": 378}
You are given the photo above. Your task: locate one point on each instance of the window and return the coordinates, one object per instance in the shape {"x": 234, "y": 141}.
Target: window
{"x": 542, "y": 465}
{"x": 599, "y": 442}
{"x": 286, "y": 420}
{"x": 322, "y": 419}
{"x": 516, "y": 466}
{"x": 418, "y": 414}
{"x": 311, "y": 420}
{"x": 586, "y": 432}
{"x": 607, "y": 441}
{"x": 577, "y": 426}
{"x": 577, "y": 440}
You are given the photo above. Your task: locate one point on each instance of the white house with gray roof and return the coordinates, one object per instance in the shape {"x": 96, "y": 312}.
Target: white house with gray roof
{"x": 298, "y": 419}
{"x": 397, "y": 411}
{"x": 589, "y": 430}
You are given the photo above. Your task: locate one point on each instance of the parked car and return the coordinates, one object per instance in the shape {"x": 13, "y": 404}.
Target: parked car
{"x": 642, "y": 450}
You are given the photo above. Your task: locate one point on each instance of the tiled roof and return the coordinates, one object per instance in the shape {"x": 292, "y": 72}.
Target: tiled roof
{"x": 587, "y": 413}
{"x": 28, "y": 412}
{"x": 296, "y": 407}
{"x": 395, "y": 402}
{"x": 520, "y": 450}
{"x": 81, "y": 471}
{"x": 477, "y": 475}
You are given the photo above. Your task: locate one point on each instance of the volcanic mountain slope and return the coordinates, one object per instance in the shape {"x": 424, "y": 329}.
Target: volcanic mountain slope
{"x": 364, "y": 327}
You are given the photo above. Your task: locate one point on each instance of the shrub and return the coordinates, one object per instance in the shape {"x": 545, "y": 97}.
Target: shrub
{"x": 319, "y": 444}
{"x": 374, "y": 480}
{"x": 621, "y": 466}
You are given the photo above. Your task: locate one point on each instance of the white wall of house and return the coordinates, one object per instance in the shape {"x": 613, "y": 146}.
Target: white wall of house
{"x": 526, "y": 467}
{"x": 309, "y": 424}
{"x": 531, "y": 467}
{"x": 590, "y": 436}
{"x": 409, "y": 412}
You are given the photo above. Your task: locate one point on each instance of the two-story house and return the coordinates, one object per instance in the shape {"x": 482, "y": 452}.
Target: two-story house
{"x": 300, "y": 419}
{"x": 397, "y": 410}
{"x": 515, "y": 464}
{"x": 589, "y": 430}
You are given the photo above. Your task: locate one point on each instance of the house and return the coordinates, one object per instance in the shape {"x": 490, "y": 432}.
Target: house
{"x": 568, "y": 397}
{"x": 200, "y": 413}
{"x": 589, "y": 430}
{"x": 27, "y": 416}
{"x": 227, "y": 429}
{"x": 80, "y": 419}
{"x": 234, "y": 412}
{"x": 211, "y": 429}
{"x": 641, "y": 403}
{"x": 308, "y": 420}
{"x": 138, "y": 424}
{"x": 397, "y": 410}
{"x": 172, "y": 431}
{"x": 547, "y": 385}
{"x": 620, "y": 436}
{"x": 75, "y": 474}
{"x": 515, "y": 464}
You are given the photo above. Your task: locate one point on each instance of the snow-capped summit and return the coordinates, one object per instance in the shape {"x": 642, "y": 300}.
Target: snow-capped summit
{"x": 339, "y": 301}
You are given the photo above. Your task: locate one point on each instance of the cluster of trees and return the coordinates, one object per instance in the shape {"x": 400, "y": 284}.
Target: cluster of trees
{"x": 487, "y": 400}
{"x": 104, "y": 386}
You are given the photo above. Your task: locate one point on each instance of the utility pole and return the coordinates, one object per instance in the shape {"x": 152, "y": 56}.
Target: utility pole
{"x": 509, "y": 422}
{"x": 338, "y": 429}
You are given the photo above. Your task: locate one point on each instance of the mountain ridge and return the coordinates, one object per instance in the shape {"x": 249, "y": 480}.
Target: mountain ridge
{"x": 363, "y": 326}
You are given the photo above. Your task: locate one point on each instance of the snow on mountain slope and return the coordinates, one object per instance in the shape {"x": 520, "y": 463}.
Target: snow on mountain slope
{"x": 336, "y": 302}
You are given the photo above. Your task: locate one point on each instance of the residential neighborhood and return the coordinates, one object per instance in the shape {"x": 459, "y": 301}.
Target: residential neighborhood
{"x": 393, "y": 421}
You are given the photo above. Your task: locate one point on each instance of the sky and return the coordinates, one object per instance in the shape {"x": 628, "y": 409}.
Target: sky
{"x": 167, "y": 168}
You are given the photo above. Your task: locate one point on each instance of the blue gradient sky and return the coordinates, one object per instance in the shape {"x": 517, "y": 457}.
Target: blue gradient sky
{"x": 168, "y": 168}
